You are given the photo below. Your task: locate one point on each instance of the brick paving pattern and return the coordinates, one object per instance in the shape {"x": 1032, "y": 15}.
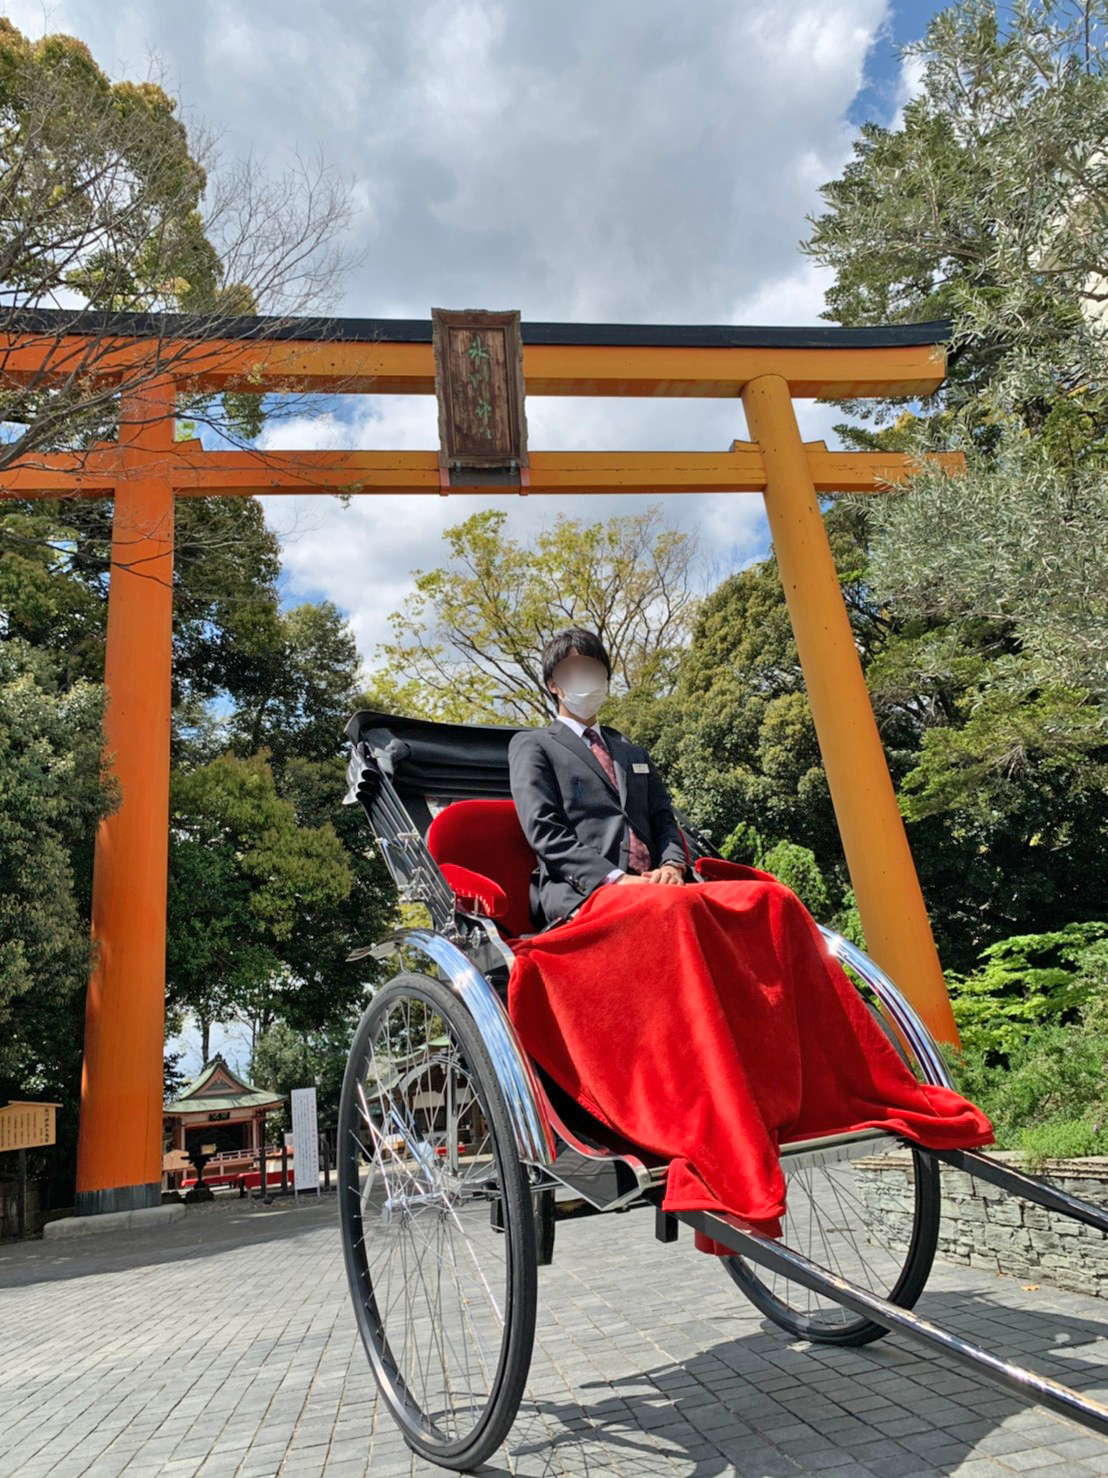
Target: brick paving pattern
{"x": 224, "y": 1346}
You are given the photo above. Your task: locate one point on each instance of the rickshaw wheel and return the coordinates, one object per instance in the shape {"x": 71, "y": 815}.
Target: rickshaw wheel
{"x": 438, "y": 1230}
{"x": 828, "y": 1222}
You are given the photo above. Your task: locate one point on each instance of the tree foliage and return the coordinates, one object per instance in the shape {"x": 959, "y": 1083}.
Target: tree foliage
{"x": 52, "y": 796}
{"x": 467, "y": 643}
{"x": 734, "y": 730}
{"x": 1033, "y": 1019}
{"x": 1027, "y": 982}
{"x": 986, "y": 204}
{"x": 108, "y": 203}
{"x": 245, "y": 878}
{"x": 54, "y": 576}
{"x": 284, "y": 1058}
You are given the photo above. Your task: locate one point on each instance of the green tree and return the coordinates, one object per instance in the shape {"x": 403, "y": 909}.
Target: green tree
{"x": 1021, "y": 558}
{"x": 109, "y": 201}
{"x": 798, "y": 869}
{"x": 284, "y": 1059}
{"x": 467, "y": 643}
{"x": 294, "y": 692}
{"x": 1033, "y": 1019}
{"x": 54, "y": 573}
{"x": 985, "y": 205}
{"x": 1025, "y": 983}
{"x": 245, "y": 880}
{"x": 303, "y": 684}
{"x": 52, "y": 796}
{"x": 734, "y": 732}
{"x": 304, "y": 691}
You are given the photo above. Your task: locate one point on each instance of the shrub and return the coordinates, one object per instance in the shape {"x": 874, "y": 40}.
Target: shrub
{"x": 744, "y": 844}
{"x": 1026, "y": 983}
{"x": 1066, "y": 1139}
{"x": 797, "y": 868}
{"x": 847, "y": 921}
{"x": 1048, "y": 1095}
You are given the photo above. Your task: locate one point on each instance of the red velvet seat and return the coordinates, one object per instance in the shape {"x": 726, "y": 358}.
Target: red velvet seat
{"x": 477, "y": 843}
{"x": 484, "y": 856}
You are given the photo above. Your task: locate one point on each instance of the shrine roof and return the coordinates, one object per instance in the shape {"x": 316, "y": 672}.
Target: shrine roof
{"x": 218, "y": 1086}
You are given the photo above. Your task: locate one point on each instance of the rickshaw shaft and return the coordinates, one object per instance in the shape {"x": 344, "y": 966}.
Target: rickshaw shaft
{"x": 758, "y": 1248}
{"x": 1024, "y": 1186}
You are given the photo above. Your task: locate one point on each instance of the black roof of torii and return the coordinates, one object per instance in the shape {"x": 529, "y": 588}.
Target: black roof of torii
{"x": 418, "y": 330}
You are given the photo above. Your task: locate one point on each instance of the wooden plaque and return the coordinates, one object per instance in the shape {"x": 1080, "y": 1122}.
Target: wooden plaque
{"x": 479, "y": 384}
{"x": 25, "y": 1126}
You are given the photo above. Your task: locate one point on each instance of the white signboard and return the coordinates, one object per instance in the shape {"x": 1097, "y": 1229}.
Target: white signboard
{"x": 305, "y": 1140}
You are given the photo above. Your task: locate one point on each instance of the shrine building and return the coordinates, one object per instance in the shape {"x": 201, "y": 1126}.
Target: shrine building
{"x": 218, "y": 1108}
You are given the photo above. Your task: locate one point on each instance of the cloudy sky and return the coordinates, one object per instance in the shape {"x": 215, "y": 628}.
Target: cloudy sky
{"x": 592, "y": 160}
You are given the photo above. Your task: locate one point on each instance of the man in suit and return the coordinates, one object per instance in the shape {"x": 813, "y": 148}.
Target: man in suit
{"x": 592, "y": 805}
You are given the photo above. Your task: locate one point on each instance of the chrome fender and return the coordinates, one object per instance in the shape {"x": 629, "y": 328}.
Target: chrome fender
{"x": 534, "y": 1137}
{"x": 896, "y": 1006}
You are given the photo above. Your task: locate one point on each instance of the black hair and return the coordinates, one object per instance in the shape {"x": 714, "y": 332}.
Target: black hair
{"x": 573, "y": 639}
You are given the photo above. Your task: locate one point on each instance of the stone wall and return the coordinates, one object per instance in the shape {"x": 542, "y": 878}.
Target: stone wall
{"x": 986, "y": 1227}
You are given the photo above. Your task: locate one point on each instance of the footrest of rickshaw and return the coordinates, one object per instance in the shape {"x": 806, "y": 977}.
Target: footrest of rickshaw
{"x": 591, "y": 1160}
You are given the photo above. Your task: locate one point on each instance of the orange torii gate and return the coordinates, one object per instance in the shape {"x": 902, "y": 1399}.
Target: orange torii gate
{"x": 119, "y": 1148}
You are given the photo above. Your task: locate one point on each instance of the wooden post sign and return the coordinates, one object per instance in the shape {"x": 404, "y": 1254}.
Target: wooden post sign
{"x": 479, "y": 384}
{"x": 305, "y": 1141}
{"x": 26, "y": 1126}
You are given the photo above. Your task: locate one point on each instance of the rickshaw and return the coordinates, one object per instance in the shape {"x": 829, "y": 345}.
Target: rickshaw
{"x": 458, "y": 1156}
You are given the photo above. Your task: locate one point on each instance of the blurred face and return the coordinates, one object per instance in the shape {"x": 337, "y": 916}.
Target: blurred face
{"x": 581, "y": 683}
{"x": 577, "y": 674}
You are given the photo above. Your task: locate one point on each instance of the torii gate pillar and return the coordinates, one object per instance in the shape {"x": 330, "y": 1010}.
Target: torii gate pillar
{"x": 882, "y": 873}
{"x": 119, "y": 1161}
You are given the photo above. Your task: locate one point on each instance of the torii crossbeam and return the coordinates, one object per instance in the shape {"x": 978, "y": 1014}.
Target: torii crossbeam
{"x": 119, "y": 1146}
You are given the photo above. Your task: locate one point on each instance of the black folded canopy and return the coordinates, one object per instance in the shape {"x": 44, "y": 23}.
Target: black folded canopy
{"x": 442, "y": 761}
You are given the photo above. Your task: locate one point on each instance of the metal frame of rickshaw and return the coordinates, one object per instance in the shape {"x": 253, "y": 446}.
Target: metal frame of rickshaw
{"x": 465, "y": 948}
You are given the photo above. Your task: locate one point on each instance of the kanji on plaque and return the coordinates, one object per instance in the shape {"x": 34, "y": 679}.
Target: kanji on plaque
{"x": 25, "y": 1126}
{"x": 479, "y": 384}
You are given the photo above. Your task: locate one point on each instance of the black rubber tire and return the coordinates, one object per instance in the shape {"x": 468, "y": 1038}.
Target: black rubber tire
{"x": 905, "y": 1291}
{"x": 517, "y": 1341}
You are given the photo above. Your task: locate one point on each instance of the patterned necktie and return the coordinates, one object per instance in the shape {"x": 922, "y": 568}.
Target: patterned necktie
{"x": 638, "y": 853}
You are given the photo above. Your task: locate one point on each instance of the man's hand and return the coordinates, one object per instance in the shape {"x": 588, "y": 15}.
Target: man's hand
{"x": 669, "y": 872}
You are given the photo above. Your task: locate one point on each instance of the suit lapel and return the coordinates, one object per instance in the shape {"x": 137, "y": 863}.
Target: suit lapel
{"x": 580, "y": 749}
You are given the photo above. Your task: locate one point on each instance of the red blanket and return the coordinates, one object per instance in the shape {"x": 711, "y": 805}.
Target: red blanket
{"x": 709, "y": 1023}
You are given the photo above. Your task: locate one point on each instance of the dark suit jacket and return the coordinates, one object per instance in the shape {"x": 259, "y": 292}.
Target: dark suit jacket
{"x": 576, "y": 821}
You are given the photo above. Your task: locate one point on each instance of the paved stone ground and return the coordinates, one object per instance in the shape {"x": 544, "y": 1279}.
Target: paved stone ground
{"x": 224, "y": 1345}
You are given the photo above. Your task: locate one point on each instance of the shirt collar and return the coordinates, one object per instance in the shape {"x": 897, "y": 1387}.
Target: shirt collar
{"x": 576, "y": 725}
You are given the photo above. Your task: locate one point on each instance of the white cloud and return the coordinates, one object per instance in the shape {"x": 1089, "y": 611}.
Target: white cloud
{"x": 626, "y": 161}
{"x": 361, "y": 556}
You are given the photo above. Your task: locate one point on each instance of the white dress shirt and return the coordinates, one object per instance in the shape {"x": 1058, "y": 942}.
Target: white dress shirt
{"x": 579, "y": 729}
